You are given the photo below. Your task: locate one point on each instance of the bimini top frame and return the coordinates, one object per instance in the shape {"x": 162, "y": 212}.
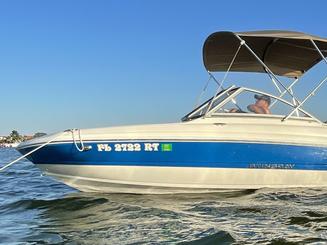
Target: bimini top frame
{"x": 283, "y": 53}
{"x": 286, "y": 53}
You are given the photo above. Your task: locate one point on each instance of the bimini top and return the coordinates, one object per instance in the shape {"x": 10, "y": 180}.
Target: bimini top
{"x": 286, "y": 53}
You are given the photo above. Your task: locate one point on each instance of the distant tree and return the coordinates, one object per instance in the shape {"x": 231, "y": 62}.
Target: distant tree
{"x": 14, "y": 137}
{"x": 38, "y": 134}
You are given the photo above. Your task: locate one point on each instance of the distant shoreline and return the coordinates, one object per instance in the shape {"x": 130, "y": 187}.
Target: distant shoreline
{"x": 8, "y": 145}
{"x": 14, "y": 139}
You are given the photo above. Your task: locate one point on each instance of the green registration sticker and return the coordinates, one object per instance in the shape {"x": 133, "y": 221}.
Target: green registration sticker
{"x": 166, "y": 147}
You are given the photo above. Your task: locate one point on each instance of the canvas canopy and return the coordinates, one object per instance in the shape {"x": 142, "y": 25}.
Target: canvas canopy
{"x": 286, "y": 53}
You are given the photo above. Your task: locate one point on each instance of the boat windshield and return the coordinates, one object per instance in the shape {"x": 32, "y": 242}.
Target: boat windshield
{"x": 256, "y": 102}
{"x": 245, "y": 100}
{"x": 210, "y": 103}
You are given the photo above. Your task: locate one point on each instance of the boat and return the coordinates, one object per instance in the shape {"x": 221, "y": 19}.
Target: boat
{"x": 222, "y": 144}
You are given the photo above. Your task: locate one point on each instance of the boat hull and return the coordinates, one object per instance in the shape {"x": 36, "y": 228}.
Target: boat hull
{"x": 168, "y": 180}
{"x": 162, "y": 167}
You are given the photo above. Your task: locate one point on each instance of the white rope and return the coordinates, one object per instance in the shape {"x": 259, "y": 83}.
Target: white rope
{"x": 29, "y": 153}
{"x": 80, "y": 140}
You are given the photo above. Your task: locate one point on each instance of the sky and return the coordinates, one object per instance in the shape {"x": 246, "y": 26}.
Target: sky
{"x": 82, "y": 64}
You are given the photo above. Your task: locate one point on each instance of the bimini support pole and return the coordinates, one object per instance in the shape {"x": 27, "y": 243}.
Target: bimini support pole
{"x": 222, "y": 88}
{"x": 202, "y": 92}
{"x": 274, "y": 82}
{"x": 264, "y": 65}
{"x": 319, "y": 51}
{"x": 284, "y": 92}
{"x": 216, "y": 81}
{"x": 312, "y": 93}
{"x": 211, "y": 76}
{"x": 295, "y": 103}
{"x": 225, "y": 76}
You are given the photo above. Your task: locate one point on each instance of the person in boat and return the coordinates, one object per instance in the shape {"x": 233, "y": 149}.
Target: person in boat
{"x": 261, "y": 105}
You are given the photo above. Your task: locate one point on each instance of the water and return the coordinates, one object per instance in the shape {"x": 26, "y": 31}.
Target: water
{"x": 35, "y": 209}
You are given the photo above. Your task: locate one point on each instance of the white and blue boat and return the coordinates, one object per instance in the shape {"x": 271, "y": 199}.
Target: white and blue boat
{"x": 219, "y": 145}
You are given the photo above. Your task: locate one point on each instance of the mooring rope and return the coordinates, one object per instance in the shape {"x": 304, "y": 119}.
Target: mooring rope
{"x": 34, "y": 150}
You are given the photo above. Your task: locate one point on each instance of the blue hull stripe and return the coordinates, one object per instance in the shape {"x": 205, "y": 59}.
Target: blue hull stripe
{"x": 188, "y": 154}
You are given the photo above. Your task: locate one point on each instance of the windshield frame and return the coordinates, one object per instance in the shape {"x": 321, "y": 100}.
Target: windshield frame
{"x": 192, "y": 115}
{"x": 236, "y": 91}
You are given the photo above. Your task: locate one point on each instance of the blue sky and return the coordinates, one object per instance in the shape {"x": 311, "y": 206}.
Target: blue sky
{"x": 79, "y": 64}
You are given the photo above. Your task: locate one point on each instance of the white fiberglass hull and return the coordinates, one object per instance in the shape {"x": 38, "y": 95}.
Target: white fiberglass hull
{"x": 205, "y": 155}
{"x": 166, "y": 180}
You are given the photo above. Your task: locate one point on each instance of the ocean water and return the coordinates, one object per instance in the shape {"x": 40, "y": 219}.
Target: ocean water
{"x": 35, "y": 209}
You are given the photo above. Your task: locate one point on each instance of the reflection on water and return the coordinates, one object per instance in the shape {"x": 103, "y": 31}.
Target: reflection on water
{"x": 35, "y": 209}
